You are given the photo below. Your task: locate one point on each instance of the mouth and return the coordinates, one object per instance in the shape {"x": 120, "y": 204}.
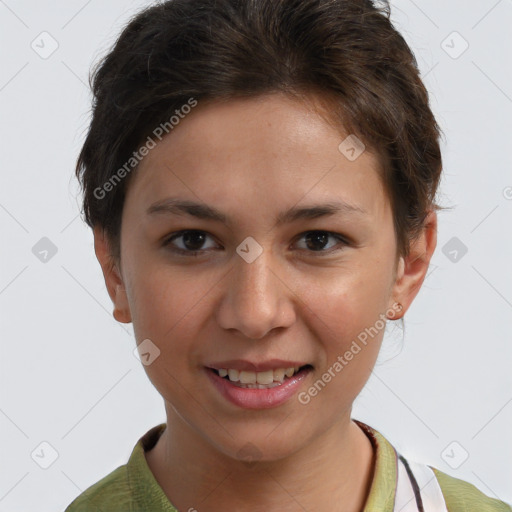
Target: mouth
{"x": 266, "y": 379}
{"x": 273, "y": 385}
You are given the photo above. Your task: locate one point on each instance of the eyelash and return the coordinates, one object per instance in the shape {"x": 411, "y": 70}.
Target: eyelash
{"x": 167, "y": 242}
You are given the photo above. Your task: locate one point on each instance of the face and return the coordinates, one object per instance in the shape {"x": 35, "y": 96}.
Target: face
{"x": 289, "y": 256}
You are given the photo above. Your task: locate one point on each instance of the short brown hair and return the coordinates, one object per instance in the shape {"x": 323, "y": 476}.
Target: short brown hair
{"x": 345, "y": 50}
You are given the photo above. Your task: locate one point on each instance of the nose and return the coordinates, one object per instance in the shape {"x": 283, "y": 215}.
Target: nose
{"x": 256, "y": 298}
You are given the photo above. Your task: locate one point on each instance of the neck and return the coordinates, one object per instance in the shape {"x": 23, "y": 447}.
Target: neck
{"x": 332, "y": 472}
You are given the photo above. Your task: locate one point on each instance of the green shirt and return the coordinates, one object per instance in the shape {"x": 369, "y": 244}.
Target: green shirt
{"x": 133, "y": 488}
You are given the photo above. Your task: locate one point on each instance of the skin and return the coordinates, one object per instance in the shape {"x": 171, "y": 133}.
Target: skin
{"x": 251, "y": 159}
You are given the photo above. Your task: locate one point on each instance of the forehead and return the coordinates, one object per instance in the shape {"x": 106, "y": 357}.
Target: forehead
{"x": 257, "y": 151}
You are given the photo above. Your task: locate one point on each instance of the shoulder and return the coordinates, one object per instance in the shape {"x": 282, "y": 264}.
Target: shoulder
{"x": 129, "y": 488}
{"x": 110, "y": 494}
{"x": 461, "y": 496}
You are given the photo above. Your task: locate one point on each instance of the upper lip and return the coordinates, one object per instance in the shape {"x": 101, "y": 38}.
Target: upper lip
{"x": 242, "y": 364}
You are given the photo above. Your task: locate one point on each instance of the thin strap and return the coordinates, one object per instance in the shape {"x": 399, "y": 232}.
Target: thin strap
{"x": 431, "y": 492}
{"x": 414, "y": 484}
{"x": 417, "y": 488}
{"x": 405, "y": 498}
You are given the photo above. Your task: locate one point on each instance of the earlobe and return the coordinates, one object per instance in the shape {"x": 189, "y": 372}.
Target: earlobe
{"x": 112, "y": 275}
{"x": 413, "y": 268}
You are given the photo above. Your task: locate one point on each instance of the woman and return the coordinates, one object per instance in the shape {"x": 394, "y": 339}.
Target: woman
{"x": 293, "y": 142}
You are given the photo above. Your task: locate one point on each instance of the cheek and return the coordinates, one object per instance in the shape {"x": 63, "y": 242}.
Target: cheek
{"x": 161, "y": 298}
{"x": 345, "y": 310}
{"x": 347, "y": 300}
{"x": 169, "y": 307}
{"x": 350, "y": 332}
{"x": 166, "y": 308}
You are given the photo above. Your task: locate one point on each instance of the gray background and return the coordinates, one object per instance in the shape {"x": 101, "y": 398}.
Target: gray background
{"x": 68, "y": 374}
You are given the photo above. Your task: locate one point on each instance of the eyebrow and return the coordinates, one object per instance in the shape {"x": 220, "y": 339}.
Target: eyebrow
{"x": 174, "y": 206}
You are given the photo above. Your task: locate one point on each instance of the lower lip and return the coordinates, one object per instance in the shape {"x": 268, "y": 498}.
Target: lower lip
{"x": 258, "y": 398}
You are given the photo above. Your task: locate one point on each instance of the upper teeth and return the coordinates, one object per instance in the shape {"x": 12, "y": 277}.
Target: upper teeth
{"x": 267, "y": 377}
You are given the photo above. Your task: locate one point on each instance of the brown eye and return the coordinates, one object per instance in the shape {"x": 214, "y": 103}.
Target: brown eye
{"x": 191, "y": 243}
{"x": 193, "y": 240}
{"x": 317, "y": 241}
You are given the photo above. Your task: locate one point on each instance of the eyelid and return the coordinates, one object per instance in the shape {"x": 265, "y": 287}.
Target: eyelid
{"x": 177, "y": 234}
{"x": 343, "y": 242}
{"x": 342, "y": 239}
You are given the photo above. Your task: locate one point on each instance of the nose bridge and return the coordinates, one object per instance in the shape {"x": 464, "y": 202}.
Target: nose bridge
{"x": 252, "y": 279}
{"x": 255, "y": 300}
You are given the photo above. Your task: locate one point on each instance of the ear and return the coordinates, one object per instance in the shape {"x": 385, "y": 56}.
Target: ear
{"x": 413, "y": 268}
{"x": 112, "y": 275}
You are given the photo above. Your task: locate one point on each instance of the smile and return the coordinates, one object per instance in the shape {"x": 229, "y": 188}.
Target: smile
{"x": 258, "y": 380}
{"x": 258, "y": 390}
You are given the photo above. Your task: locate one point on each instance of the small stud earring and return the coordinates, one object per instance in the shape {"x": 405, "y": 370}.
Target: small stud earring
{"x": 397, "y": 306}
